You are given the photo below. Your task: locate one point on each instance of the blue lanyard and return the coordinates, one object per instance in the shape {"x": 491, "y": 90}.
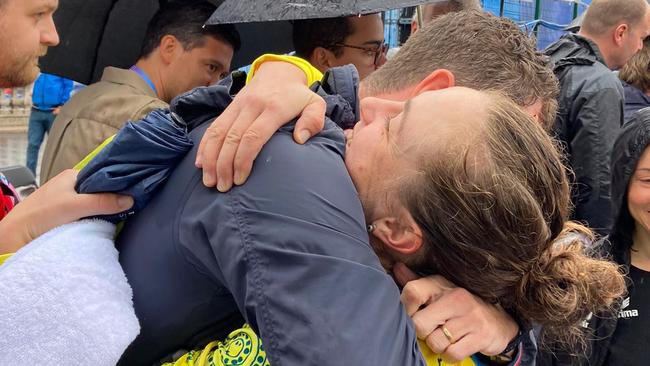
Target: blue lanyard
{"x": 144, "y": 77}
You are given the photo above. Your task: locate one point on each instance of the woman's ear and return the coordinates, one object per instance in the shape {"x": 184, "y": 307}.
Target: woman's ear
{"x": 401, "y": 235}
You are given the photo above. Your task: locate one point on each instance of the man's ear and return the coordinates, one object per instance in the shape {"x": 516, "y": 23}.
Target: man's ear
{"x": 414, "y": 26}
{"x": 403, "y": 236}
{"x": 168, "y": 48}
{"x": 438, "y": 79}
{"x": 620, "y": 33}
{"x": 321, "y": 58}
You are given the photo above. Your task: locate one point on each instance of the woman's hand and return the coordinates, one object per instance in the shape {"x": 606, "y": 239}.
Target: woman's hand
{"x": 54, "y": 204}
{"x": 452, "y": 321}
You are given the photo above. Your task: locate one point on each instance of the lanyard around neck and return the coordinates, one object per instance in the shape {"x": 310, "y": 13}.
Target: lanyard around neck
{"x": 144, "y": 77}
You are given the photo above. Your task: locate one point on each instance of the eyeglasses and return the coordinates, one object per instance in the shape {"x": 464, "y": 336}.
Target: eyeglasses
{"x": 377, "y": 52}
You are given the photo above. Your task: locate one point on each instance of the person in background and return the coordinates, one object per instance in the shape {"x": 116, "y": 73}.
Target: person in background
{"x": 591, "y": 98}
{"x": 26, "y": 31}
{"x": 622, "y": 339}
{"x": 49, "y": 94}
{"x": 178, "y": 54}
{"x": 635, "y": 76}
{"x": 330, "y": 42}
{"x": 426, "y": 13}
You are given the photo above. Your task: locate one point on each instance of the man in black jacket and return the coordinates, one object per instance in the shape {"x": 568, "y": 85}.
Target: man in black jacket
{"x": 591, "y": 97}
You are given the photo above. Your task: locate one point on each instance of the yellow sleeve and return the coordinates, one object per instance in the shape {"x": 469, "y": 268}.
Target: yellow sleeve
{"x": 433, "y": 359}
{"x": 313, "y": 74}
{"x": 94, "y": 153}
{"x": 4, "y": 257}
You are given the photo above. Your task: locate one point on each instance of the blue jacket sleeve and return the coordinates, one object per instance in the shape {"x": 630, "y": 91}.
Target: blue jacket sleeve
{"x": 291, "y": 247}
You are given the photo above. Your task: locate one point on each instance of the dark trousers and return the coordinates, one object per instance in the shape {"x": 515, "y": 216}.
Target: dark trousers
{"x": 39, "y": 124}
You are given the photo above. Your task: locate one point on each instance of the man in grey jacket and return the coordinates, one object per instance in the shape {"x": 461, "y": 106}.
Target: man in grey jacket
{"x": 591, "y": 97}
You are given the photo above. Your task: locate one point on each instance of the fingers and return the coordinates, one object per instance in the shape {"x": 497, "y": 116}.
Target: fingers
{"x": 449, "y": 305}
{"x": 423, "y": 291}
{"x": 211, "y": 144}
{"x": 311, "y": 121}
{"x": 251, "y": 144}
{"x": 85, "y": 205}
{"x": 403, "y": 274}
{"x": 62, "y": 204}
{"x": 462, "y": 349}
{"x": 245, "y": 122}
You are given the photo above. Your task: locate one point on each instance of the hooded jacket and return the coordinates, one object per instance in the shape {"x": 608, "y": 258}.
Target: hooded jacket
{"x": 628, "y": 148}
{"x": 589, "y": 117}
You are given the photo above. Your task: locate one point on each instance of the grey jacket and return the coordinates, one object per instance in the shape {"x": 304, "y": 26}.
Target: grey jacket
{"x": 589, "y": 117}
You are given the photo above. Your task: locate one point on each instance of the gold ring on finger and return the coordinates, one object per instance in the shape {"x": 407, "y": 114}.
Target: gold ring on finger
{"x": 448, "y": 335}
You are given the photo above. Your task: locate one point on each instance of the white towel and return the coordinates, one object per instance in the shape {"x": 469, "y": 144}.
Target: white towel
{"x": 64, "y": 300}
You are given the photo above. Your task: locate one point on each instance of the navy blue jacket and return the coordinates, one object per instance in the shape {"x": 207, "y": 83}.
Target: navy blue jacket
{"x": 288, "y": 250}
{"x": 635, "y": 99}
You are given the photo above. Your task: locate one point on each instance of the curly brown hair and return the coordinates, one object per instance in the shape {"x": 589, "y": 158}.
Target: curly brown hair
{"x": 484, "y": 52}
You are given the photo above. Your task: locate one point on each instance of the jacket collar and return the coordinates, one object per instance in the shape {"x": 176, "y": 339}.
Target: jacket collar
{"x": 573, "y": 48}
{"x": 127, "y": 77}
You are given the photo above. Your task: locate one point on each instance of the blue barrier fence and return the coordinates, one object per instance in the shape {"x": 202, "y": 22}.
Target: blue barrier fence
{"x": 545, "y": 18}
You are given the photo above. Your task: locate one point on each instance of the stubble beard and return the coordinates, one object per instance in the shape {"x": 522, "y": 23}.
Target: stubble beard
{"x": 20, "y": 71}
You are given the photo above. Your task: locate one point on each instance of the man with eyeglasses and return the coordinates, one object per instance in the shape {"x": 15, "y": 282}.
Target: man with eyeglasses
{"x": 330, "y": 42}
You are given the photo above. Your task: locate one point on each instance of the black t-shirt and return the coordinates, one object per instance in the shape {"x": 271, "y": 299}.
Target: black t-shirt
{"x": 630, "y": 344}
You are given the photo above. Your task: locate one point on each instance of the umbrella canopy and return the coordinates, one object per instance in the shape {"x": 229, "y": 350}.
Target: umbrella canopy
{"x": 90, "y": 32}
{"x": 241, "y": 11}
{"x": 99, "y": 33}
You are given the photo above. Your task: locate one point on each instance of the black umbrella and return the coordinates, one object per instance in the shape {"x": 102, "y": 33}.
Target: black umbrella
{"x": 99, "y": 33}
{"x": 242, "y": 11}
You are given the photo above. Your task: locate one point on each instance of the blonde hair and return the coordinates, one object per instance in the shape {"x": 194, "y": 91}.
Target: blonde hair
{"x": 636, "y": 71}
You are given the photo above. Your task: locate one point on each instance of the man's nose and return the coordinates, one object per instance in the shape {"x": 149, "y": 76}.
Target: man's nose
{"x": 49, "y": 35}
